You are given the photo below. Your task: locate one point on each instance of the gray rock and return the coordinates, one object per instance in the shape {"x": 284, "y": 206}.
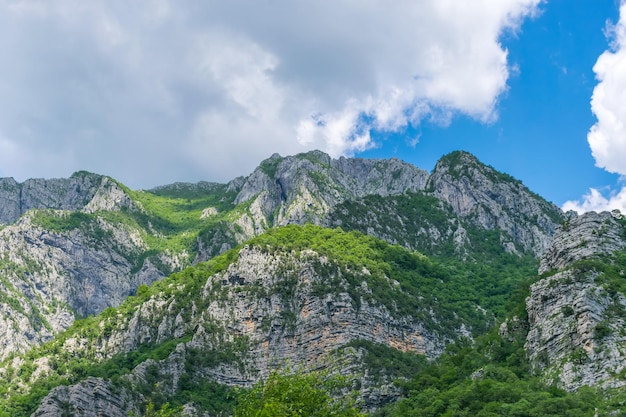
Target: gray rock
{"x": 244, "y": 303}
{"x": 495, "y": 201}
{"x": 583, "y": 237}
{"x": 93, "y": 397}
{"x": 576, "y": 326}
{"x": 63, "y": 194}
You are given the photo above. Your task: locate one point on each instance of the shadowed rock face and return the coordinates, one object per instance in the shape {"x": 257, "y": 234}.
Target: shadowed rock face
{"x": 63, "y": 194}
{"x": 576, "y": 325}
{"x": 51, "y": 276}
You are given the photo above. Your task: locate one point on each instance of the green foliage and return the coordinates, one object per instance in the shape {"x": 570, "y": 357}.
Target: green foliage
{"x": 407, "y": 283}
{"x": 296, "y": 395}
{"x": 487, "y": 278}
{"x": 183, "y": 288}
{"x": 459, "y": 164}
{"x": 611, "y": 269}
{"x": 567, "y": 310}
{"x": 491, "y": 378}
{"x": 385, "y": 363}
{"x": 316, "y": 157}
{"x": 270, "y": 166}
{"x": 56, "y": 221}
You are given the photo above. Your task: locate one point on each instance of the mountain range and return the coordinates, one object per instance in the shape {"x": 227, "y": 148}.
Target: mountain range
{"x": 411, "y": 285}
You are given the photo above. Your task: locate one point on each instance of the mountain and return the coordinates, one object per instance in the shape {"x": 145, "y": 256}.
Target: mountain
{"x": 561, "y": 350}
{"x": 120, "y": 301}
{"x": 576, "y": 312}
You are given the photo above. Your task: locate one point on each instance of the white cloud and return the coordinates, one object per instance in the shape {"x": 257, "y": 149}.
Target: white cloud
{"x": 157, "y": 91}
{"x": 596, "y": 201}
{"x": 607, "y": 138}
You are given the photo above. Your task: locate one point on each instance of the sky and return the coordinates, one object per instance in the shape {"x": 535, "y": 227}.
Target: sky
{"x": 152, "y": 92}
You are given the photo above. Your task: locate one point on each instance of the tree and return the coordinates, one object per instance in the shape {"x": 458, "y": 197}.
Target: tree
{"x": 295, "y": 395}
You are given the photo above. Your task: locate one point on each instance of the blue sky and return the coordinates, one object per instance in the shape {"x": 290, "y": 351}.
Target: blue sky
{"x": 540, "y": 135}
{"x": 156, "y": 91}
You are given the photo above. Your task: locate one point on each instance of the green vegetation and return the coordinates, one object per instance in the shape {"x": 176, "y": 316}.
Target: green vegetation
{"x": 270, "y": 166}
{"x": 447, "y": 287}
{"x": 407, "y": 283}
{"x": 169, "y": 220}
{"x": 460, "y": 163}
{"x": 59, "y": 222}
{"x": 385, "y": 364}
{"x": 483, "y": 272}
{"x": 299, "y": 394}
{"x": 183, "y": 289}
{"x": 490, "y": 378}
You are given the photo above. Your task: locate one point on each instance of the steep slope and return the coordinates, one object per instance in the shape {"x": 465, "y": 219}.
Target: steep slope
{"x": 57, "y": 265}
{"x": 72, "y": 193}
{"x": 495, "y": 201}
{"x": 308, "y": 296}
{"x": 318, "y": 297}
{"x": 303, "y": 189}
{"x": 577, "y": 312}
{"x": 85, "y": 243}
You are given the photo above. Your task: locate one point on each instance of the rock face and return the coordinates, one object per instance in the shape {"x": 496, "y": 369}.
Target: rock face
{"x": 64, "y": 252}
{"x": 78, "y": 268}
{"x": 495, "y": 201}
{"x": 308, "y": 188}
{"x": 302, "y": 188}
{"x": 583, "y": 237}
{"x": 576, "y": 315}
{"x": 92, "y": 397}
{"x": 63, "y": 194}
{"x": 267, "y": 309}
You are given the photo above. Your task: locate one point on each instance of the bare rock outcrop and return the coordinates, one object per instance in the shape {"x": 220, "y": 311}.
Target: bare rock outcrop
{"x": 576, "y": 313}
{"x": 307, "y": 188}
{"x": 583, "y": 237}
{"x": 73, "y": 193}
{"x": 266, "y": 310}
{"x": 93, "y": 397}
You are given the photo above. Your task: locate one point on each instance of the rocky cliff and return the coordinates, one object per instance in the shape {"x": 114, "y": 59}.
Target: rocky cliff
{"x": 495, "y": 201}
{"x": 269, "y": 307}
{"x": 314, "y": 188}
{"x": 72, "y": 193}
{"x": 576, "y": 312}
{"x": 57, "y": 265}
{"x": 73, "y": 248}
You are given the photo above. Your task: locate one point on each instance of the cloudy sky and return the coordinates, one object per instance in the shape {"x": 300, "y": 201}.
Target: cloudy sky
{"x": 152, "y": 92}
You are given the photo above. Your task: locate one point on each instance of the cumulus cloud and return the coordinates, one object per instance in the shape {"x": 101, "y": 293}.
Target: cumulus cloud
{"x": 607, "y": 138}
{"x": 157, "y": 91}
{"x": 594, "y": 200}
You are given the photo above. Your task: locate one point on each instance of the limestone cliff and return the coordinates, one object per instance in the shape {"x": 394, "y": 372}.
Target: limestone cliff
{"x": 72, "y": 248}
{"x": 577, "y": 311}
{"x": 269, "y": 307}
{"x": 303, "y": 188}
{"x": 57, "y": 265}
{"x": 495, "y": 201}
{"x": 72, "y": 193}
